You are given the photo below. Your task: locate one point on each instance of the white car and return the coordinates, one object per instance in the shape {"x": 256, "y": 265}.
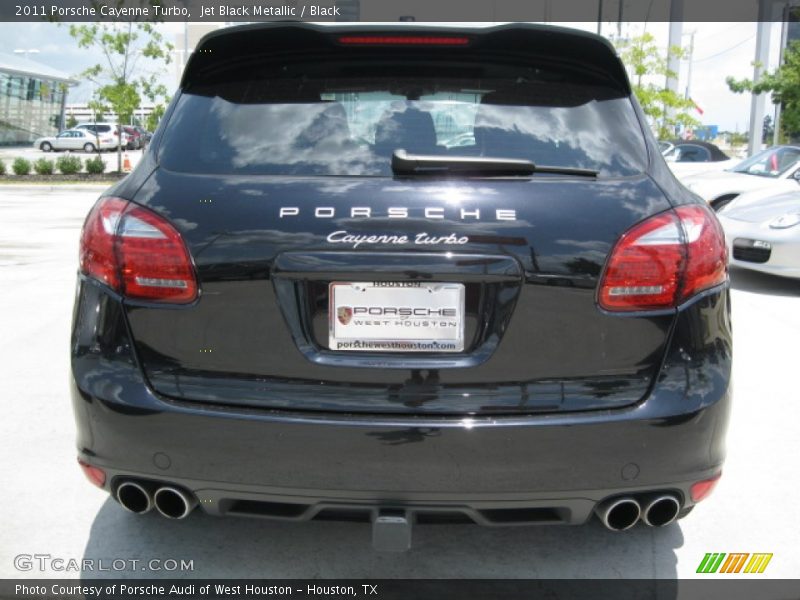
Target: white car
{"x": 76, "y": 139}
{"x": 104, "y": 130}
{"x": 762, "y": 232}
{"x": 773, "y": 171}
{"x": 689, "y": 157}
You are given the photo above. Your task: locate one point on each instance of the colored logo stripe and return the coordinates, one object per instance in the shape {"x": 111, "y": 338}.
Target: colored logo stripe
{"x": 713, "y": 562}
{"x": 734, "y": 562}
{"x": 758, "y": 563}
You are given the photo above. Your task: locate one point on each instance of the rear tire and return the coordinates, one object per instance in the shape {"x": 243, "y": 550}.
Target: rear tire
{"x": 45, "y": 147}
{"x": 88, "y": 147}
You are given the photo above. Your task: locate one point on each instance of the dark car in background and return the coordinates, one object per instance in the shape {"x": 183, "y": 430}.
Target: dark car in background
{"x": 309, "y": 302}
{"x": 688, "y": 157}
{"x": 694, "y": 151}
{"x": 135, "y": 138}
{"x": 145, "y": 135}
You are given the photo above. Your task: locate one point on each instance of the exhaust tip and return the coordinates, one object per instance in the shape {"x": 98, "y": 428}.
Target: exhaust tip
{"x": 134, "y": 497}
{"x": 620, "y": 514}
{"x": 174, "y": 503}
{"x": 661, "y": 511}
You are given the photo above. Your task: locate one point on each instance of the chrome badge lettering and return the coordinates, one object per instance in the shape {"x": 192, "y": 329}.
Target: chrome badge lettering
{"x": 355, "y": 240}
{"x": 400, "y": 212}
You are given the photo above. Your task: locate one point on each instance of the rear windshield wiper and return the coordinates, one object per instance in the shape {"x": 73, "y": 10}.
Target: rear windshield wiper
{"x": 422, "y": 165}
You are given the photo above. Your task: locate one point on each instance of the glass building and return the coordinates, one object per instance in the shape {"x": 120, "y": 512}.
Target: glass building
{"x": 32, "y": 99}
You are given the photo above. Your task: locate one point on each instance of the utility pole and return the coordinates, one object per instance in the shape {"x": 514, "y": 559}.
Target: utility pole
{"x": 766, "y": 9}
{"x": 675, "y": 38}
{"x": 689, "y": 70}
{"x": 776, "y": 133}
{"x": 599, "y": 16}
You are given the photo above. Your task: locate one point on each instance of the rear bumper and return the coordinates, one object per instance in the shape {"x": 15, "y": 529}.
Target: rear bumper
{"x": 538, "y": 468}
{"x": 564, "y": 468}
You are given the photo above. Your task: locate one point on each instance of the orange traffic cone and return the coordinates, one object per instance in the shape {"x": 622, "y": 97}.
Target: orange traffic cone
{"x": 126, "y": 163}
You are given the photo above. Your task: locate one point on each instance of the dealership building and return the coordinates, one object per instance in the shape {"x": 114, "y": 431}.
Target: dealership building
{"x": 32, "y": 100}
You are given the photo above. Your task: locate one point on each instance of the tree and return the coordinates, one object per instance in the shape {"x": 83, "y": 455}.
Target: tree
{"x": 120, "y": 76}
{"x": 784, "y": 83}
{"x": 71, "y": 121}
{"x": 154, "y": 117}
{"x": 737, "y": 139}
{"x": 767, "y": 130}
{"x": 665, "y": 108}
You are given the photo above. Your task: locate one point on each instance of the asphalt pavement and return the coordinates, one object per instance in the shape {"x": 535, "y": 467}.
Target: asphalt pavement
{"x": 49, "y": 508}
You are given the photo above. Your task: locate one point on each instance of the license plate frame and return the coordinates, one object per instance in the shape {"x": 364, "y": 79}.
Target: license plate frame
{"x": 374, "y": 317}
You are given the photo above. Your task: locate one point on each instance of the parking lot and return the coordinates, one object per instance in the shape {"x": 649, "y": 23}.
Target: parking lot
{"x": 50, "y": 509}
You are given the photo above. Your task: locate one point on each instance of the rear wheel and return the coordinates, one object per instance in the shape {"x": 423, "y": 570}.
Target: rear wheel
{"x": 46, "y": 147}
{"x": 88, "y": 147}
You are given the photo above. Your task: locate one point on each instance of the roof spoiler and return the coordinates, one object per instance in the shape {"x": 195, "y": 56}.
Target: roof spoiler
{"x": 550, "y": 45}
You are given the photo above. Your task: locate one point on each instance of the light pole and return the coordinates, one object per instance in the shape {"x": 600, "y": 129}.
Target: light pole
{"x": 689, "y": 60}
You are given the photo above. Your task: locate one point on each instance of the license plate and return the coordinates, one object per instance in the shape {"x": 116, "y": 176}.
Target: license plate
{"x": 405, "y": 316}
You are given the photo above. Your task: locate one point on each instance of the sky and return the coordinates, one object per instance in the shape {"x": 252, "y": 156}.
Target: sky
{"x": 720, "y": 49}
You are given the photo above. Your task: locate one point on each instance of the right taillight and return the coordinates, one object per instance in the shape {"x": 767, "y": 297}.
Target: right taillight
{"x": 665, "y": 260}
{"x": 137, "y": 253}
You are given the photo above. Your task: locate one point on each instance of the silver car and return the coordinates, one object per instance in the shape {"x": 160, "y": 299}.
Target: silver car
{"x": 76, "y": 139}
{"x": 763, "y": 232}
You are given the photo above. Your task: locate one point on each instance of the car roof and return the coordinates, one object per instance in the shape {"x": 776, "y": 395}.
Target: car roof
{"x": 716, "y": 153}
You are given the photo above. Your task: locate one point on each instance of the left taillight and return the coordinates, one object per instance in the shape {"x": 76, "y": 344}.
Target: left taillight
{"x": 137, "y": 253}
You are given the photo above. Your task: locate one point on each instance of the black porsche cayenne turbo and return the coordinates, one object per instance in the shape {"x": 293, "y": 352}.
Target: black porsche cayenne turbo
{"x": 403, "y": 275}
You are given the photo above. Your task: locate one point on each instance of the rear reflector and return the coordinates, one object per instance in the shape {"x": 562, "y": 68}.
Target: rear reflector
{"x": 95, "y": 475}
{"x": 402, "y": 40}
{"x": 702, "y": 489}
{"x": 137, "y": 253}
{"x": 665, "y": 260}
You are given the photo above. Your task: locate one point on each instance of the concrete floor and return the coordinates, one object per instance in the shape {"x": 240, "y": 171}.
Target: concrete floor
{"x": 48, "y": 507}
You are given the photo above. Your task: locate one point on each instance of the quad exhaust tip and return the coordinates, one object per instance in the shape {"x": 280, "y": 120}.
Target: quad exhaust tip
{"x": 661, "y": 510}
{"x": 134, "y": 497}
{"x": 619, "y": 514}
{"x": 173, "y": 502}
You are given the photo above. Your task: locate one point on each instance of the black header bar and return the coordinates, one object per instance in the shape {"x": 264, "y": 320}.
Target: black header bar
{"x": 394, "y": 10}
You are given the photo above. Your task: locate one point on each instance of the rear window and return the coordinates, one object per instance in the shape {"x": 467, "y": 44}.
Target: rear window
{"x": 296, "y": 122}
